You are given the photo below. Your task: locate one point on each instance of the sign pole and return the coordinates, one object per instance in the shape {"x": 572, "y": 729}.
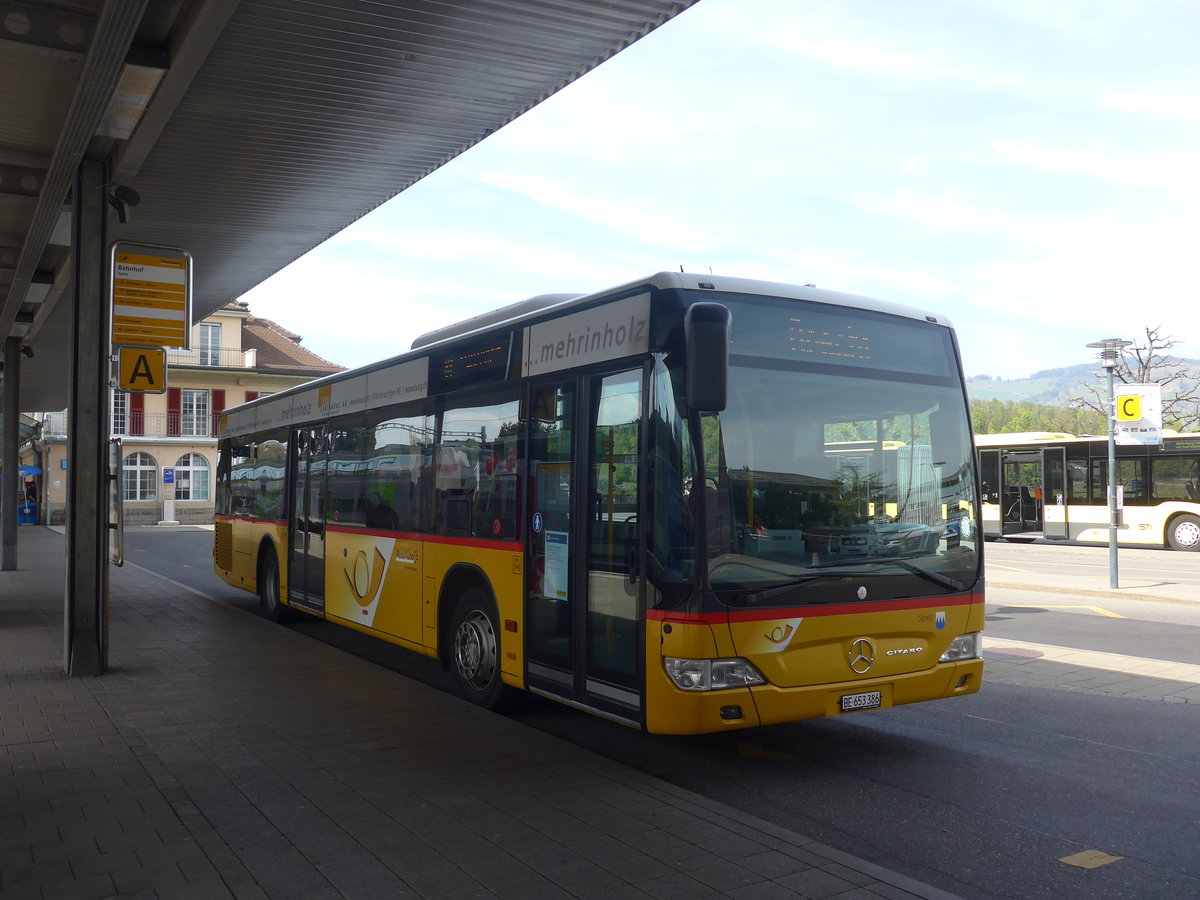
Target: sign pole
{"x": 1109, "y": 351}
{"x": 1112, "y": 482}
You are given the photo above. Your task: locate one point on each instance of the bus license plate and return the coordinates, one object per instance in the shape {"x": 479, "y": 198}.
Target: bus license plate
{"x": 867, "y": 700}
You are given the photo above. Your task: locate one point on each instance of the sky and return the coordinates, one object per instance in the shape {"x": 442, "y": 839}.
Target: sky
{"x": 1030, "y": 170}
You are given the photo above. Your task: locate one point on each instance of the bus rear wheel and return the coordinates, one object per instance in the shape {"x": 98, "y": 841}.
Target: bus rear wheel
{"x": 268, "y": 588}
{"x": 1183, "y": 532}
{"x": 475, "y": 649}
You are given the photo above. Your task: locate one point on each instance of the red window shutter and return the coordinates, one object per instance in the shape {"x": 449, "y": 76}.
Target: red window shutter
{"x": 137, "y": 414}
{"x": 174, "y": 412}
{"x": 218, "y": 407}
{"x": 251, "y": 395}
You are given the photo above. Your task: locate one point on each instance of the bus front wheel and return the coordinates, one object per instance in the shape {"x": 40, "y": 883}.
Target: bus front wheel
{"x": 475, "y": 649}
{"x": 1183, "y": 532}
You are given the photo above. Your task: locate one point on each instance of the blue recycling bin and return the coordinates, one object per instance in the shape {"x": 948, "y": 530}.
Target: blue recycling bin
{"x": 27, "y": 514}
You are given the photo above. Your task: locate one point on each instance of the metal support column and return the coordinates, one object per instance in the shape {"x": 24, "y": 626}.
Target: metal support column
{"x": 12, "y": 440}
{"x": 85, "y": 634}
{"x": 1114, "y": 515}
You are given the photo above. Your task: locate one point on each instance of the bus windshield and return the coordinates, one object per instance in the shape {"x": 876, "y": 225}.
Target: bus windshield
{"x": 821, "y": 469}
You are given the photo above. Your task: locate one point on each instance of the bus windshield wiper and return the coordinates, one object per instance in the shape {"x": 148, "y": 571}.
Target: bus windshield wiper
{"x": 928, "y": 575}
{"x": 752, "y": 598}
{"x": 898, "y": 562}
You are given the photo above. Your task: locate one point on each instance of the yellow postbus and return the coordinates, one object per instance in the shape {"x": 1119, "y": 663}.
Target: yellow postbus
{"x": 688, "y": 504}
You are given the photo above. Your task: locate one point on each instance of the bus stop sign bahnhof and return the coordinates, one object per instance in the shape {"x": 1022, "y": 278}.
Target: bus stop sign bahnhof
{"x": 151, "y": 291}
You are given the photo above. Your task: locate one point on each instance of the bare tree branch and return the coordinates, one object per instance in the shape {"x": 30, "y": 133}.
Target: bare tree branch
{"x": 1149, "y": 362}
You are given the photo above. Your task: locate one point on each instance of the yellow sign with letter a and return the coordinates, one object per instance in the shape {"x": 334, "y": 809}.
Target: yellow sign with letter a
{"x": 142, "y": 369}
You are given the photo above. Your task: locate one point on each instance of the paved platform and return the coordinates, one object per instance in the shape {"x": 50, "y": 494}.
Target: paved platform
{"x": 223, "y": 756}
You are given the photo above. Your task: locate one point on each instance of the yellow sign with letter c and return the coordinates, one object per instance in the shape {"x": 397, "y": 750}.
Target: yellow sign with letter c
{"x": 1129, "y": 408}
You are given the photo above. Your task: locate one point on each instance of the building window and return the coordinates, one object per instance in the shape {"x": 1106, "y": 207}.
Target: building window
{"x": 210, "y": 345}
{"x": 140, "y": 477}
{"x": 194, "y": 410}
{"x": 120, "y": 412}
{"x": 191, "y": 477}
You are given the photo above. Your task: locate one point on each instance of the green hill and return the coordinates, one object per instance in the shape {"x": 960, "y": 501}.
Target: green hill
{"x": 1054, "y": 387}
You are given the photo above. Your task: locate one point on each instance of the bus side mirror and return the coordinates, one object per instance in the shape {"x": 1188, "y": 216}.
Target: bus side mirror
{"x": 706, "y": 331}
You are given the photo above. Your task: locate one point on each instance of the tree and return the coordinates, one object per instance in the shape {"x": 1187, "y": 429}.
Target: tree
{"x": 1149, "y": 362}
{"x": 1007, "y": 416}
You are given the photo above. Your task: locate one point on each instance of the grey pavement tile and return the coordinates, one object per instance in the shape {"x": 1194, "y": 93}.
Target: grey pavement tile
{"x": 677, "y": 886}
{"x": 773, "y": 864}
{"x": 93, "y": 887}
{"x": 816, "y": 884}
{"x": 656, "y": 839}
{"x": 438, "y": 885}
{"x": 29, "y": 837}
{"x": 153, "y": 856}
{"x": 469, "y": 848}
{"x": 19, "y": 874}
{"x": 393, "y": 843}
{"x": 766, "y": 890}
{"x": 639, "y": 868}
{"x": 624, "y": 892}
{"x": 281, "y": 871}
{"x": 891, "y": 892}
{"x": 499, "y": 871}
{"x": 29, "y": 806}
{"x": 64, "y": 851}
{"x": 534, "y": 888}
{"x": 417, "y": 863}
{"x": 626, "y": 798}
{"x": 665, "y": 816}
{"x": 810, "y": 853}
{"x": 684, "y": 857}
{"x": 846, "y": 873}
{"x": 583, "y": 875}
{"x": 160, "y": 881}
{"x": 365, "y": 878}
{"x": 732, "y": 846}
{"x": 724, "y": 876}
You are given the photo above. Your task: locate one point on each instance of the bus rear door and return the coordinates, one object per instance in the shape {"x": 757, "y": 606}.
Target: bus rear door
{"x": 1054, "y": 481}
{"x": 306, "y": 522}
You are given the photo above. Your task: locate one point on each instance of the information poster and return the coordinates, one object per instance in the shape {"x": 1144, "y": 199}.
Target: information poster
{"x": 555, "y": 582}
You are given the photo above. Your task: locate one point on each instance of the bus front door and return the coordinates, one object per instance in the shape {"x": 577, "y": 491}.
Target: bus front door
{"x": 306, "y": 541}
{"x": 583, "y": 613}
{"x": 1022, "y": 493}
{"x": 612, "y": 630}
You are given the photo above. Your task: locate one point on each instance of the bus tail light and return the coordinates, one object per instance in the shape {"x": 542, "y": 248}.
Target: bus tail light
{"x": 965, "y": 646}
{"x": 711, "y": 674}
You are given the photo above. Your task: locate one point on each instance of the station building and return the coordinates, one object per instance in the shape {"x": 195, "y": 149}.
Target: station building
{"x": 169, "y": 440}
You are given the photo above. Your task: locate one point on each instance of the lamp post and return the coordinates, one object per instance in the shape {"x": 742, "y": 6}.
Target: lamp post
{"x": 1110, "y": 351}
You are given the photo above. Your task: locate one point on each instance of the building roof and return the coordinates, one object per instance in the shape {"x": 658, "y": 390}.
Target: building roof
{"x": 249, "y": 130}
{"x": 279, "y": 350}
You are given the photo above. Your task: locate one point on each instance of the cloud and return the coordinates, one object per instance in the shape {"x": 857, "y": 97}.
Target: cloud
{"x": 641, "y": 221}
{"x": 1162, "y": 171}
{"x": 1171, "y": 106}
{"x": 864, "y": 57}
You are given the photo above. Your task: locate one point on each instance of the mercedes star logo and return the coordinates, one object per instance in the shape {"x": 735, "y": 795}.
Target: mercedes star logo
{"x": 861, "y": 656}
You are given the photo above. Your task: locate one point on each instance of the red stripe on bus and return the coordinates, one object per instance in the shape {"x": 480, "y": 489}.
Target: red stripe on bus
{"x": 806, "y": 612}
{"x": 476, "y": 543}
{"x": 250, "y": 519}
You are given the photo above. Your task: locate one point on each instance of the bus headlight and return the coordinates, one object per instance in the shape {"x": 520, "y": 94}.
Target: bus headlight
{"x": 711, "y": 674}
{"x": 965, "y": 646}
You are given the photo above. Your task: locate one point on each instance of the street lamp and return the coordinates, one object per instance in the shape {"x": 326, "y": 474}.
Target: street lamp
{"x": 1110, "y": 351}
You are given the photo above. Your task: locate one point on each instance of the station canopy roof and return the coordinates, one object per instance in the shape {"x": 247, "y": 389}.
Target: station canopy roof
{"x": 252, "y": 131}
